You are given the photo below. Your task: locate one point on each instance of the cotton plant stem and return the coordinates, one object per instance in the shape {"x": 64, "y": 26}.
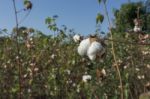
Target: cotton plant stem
{"x": 18, "y": 57}
{"x": 113, "y": 52}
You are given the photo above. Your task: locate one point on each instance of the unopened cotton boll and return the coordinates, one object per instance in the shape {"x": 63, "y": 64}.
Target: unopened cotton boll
{"x": 76, "y": 38}
{"x": 137, "y": 29}
{"x": 83, "y": 47}
{"x": 96, "y": 49}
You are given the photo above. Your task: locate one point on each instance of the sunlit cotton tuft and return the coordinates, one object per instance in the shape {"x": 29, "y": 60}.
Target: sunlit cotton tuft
{"x": 95, "y": 50}
{"x": 137, "y": 29}
{"x": 83, "y": 47}
{"x": 85, "y": 78}
{"x": 76, "y": 38}
{"x": 91, "y": 47}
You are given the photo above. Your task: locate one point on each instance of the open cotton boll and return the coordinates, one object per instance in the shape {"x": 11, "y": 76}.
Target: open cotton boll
{"x": 95, "y": 50}
{"x": 137, "y": 29}
{"x": 83, "y": 47}
{"x": 76, "y": 38}
{"x": 85, "y": 78}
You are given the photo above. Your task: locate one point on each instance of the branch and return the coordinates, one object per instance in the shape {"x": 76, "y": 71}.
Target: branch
{"x": 18, "y": 50}
{"x": 113, "y": 51}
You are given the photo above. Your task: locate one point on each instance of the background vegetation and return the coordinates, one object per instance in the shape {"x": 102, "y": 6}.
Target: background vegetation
{"x": 38, "y": 66}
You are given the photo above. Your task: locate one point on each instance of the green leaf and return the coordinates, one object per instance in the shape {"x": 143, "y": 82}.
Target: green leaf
{"x": 99, "y": 1}
{"x": 99, "y": 18}
{"x": 30, "y": 81}
{"x": 48, "y": 20}
{"x": 14, "y": 90}
{"x": 4, "y": 30}
{"x": 28, "y": 4}
{"x": 25, "y": 2}
{"x": 54, "y": 28}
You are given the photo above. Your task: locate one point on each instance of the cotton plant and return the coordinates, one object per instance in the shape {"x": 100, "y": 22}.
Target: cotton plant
{"x": 138, "y": 29}
{"x": 91, "y": 47}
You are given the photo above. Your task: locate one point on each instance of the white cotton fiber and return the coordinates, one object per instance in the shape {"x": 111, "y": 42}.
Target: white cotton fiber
{"x": 76, "y": 38}
{"x": 94, "y": 49}
{"x": 137, "y": 29}
{"x": 83, "y": 47}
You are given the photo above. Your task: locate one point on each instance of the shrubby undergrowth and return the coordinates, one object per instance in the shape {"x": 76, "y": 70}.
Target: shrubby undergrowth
{"x": 38, "y": 66}
{"x": 52, "y": 68}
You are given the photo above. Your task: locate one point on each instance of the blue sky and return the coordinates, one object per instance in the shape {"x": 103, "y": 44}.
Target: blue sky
{"x": 77, "y": 14}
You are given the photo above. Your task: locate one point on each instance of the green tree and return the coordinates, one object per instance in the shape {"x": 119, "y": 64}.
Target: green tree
{"x": 127, "y": 13}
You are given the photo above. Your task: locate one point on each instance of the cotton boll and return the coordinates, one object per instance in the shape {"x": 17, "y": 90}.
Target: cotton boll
{"x": 137, "y": 29}
{"x": 85, "y": 78}
{"x": 83, "y": 47}
{"x": 137, "y": 22}
{"x": 76, "y": 38}
{"x": 96, "y": 49}
{"x": 91, "y": 47}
